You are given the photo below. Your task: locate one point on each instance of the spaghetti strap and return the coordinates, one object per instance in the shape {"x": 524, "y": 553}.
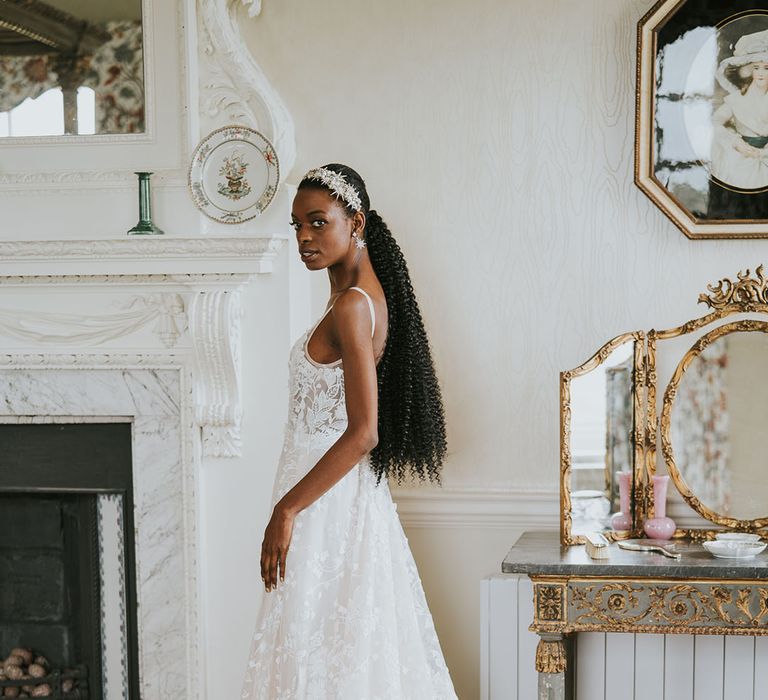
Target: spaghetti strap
{"x": 370, "y": 307}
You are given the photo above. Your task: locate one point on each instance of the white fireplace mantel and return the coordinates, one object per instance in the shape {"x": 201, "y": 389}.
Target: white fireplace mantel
{"x": 139, "y": 255}
{"x": 159, "y": 296}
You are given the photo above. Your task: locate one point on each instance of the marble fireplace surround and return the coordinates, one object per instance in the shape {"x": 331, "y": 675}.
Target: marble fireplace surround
{"x": 110, "y": 337}
{"x": 153, "y": 394}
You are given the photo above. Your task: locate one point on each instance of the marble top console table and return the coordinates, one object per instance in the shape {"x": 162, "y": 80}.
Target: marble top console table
{"x": 632, "y": 592}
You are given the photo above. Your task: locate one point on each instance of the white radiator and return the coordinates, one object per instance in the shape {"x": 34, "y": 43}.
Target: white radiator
{"x": 614, "y": 666}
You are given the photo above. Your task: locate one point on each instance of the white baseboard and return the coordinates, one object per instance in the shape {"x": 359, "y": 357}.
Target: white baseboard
{"x": 478, "y": 508}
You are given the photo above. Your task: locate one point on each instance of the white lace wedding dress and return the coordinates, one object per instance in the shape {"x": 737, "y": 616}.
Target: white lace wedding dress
{"x": 350, "y": 621}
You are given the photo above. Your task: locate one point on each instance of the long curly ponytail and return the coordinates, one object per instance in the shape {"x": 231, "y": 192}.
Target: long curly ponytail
{"x": 411, "y": 417}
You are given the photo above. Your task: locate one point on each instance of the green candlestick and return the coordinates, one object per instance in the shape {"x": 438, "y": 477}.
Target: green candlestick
{"x": 145, "y": 225}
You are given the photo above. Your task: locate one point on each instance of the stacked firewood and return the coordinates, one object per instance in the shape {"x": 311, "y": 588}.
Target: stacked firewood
{"x": 23, "y": 664}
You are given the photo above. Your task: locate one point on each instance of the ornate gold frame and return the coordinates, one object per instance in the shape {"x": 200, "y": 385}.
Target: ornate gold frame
{"x": 746, "y": 295}
{"x": 638, "y": 380}
{"x": 568, "y": 604}
{"x": 645, "y": 107}
{"x": 666, "y": 414}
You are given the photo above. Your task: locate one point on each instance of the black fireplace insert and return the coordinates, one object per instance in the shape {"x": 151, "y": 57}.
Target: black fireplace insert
{"x": 66, "y": 555}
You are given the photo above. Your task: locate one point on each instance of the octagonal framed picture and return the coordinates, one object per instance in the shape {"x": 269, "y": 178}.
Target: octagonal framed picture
{"x": 701, "y": 132}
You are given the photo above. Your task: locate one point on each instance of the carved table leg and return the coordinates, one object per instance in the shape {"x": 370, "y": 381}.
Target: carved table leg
{"x": 551, "y": 663}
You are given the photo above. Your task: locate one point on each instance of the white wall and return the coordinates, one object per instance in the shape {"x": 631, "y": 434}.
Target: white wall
{"x": 496, "y": 138}
{"x": 235, "y": 493}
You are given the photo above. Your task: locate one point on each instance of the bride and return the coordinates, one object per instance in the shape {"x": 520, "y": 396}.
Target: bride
{"x": 345, "y": 617}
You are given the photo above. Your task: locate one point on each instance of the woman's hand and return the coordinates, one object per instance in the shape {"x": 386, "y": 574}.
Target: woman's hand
{"x": 274, "y": 548}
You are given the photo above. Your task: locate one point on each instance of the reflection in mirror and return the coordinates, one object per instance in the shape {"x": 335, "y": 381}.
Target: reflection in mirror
{"x": 71, "y": 67}
{"x": 717, "y": 426}
{"x": 602, "y": 424}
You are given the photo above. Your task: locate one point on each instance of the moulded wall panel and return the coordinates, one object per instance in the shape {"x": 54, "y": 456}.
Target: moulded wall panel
{"x": 590, "y": 666}
{"x": 485, "y": 641}
{"x": 761, "y": 668}
{"x": 708, "y": 667}
{"x": 619, "y": 666}
{"x": 649, "y": 666}
{"x": 738, "y": 668}
{"x": 527, "y": 679}
{"x": 499, "y": 636}
{"x": 678, "y": 667}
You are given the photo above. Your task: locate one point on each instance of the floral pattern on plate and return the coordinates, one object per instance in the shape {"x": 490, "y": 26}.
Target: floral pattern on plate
{"x": 234, "y": 174}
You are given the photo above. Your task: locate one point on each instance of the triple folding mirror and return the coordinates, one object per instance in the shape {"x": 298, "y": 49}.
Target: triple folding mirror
{"x": 689, "y": 402}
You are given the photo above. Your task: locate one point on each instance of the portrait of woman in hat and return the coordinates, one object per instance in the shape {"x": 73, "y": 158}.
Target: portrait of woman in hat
{"x": 740, "y": 143}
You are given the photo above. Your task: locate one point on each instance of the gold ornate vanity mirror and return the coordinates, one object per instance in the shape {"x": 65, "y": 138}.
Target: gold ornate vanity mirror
{"x": 700, "y": 391}
{"x": 713, "y": 408}
{"x": 600, "y": 415}
{"x": 712, "y": 425}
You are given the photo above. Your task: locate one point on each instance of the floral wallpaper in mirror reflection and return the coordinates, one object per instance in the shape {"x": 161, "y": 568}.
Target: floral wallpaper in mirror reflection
{"x": 700, "y": 428}
{"x": 115, "y": 72}
{"x": 619, "y": 424}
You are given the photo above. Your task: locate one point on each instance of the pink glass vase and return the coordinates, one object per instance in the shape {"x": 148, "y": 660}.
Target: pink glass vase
{"x": 622, "y": 520}
{"x": 660, "y": 527}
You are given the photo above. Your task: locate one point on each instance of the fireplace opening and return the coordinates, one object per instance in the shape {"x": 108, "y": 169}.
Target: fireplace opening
{"x": 67, "y": 571}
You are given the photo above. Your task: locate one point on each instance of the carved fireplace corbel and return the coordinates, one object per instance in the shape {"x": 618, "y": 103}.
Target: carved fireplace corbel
{"x": 214, "y": 327}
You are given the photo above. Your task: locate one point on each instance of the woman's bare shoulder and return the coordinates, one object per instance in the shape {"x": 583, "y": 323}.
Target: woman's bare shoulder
{"x": 363, "y": 312}
{"x": 351, "y": 311}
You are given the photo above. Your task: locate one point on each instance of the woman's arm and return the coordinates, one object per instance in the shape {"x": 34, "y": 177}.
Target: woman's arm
{"x": 351, "y": 328}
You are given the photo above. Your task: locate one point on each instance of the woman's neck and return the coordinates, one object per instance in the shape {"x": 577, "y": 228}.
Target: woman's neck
{"x": 343, "y": 276}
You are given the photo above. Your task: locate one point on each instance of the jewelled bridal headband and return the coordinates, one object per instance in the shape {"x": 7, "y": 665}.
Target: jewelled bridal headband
{"x": 338, "y": 185}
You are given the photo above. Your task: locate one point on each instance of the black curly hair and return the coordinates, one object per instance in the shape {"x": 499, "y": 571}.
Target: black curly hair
{"x": 411, "y": 417}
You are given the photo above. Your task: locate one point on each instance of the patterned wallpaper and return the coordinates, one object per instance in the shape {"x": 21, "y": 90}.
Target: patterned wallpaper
{"x": 497, "y": 141}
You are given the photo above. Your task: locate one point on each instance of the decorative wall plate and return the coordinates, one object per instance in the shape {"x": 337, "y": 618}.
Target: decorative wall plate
{"x": 234, "y": 174}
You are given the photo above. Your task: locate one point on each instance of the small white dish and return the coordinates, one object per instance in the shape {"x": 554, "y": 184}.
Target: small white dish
{"x": 737, "y": 537}
{"x": 724, "y": 549}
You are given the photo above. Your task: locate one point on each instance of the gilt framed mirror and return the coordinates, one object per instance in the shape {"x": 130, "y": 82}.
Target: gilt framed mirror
{"x": 713, "y": 425}
{"x": 71, "y": 67}
{"x": 601, "y": 445}
{"x": 710, "y": 422}
{"x": 688, "y": 402}
{"x": 91, "y": 92}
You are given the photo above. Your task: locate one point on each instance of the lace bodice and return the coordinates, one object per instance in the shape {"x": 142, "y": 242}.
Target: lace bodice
{"x": 318, "y": 410}
{"x": 317, "y": 414}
